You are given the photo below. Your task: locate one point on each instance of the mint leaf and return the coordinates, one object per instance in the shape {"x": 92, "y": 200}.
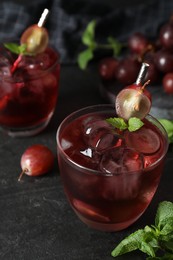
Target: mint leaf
{"x": 141, "y": 239}
{"x": 88, "y": 39}
{"x": 164, "y": 215}
{"x": 129, "y": 244}
{"x": 117, "y": 122}
{"x": 168, "y": 125}
{"x": 152, "y": 240}
{"x": 134, "y": 124}
{"x": 84, "y": 57}
{"x": 145, "y": 247}
{"x": 89, "y": 34}
{"x": 15, "y": 48}
{"x": 167, "y": 230}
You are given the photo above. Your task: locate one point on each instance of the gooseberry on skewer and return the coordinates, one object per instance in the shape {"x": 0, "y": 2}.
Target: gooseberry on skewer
{"x": 36, "y": 160}
{"x": 36, "y": 36}
{"x": 33, "y": 41}
{"x": 134, "y": 100}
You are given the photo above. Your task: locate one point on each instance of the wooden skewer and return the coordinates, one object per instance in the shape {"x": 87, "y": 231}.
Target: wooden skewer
{"x": 43, "y": 17}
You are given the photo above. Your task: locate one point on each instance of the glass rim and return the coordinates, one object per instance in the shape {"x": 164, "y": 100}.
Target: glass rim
{"x": 40, "y": 73}
{"x": 97, "y": 172}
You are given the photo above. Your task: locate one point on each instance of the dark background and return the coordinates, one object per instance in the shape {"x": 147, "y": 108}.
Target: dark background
{"x": 68, "y": 18}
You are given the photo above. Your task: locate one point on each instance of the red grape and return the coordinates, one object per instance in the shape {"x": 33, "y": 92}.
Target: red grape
{"x": 168, "y": 83}
{"x": 166, "y": 35}
{"x": 36, "y": 160}
{"x": 153, "y": 73}
{"x": 107, "y": 68}
{"x": 163, "y": 61}
{"x": 127, "y": 70}
{"x": 137, "y": 43}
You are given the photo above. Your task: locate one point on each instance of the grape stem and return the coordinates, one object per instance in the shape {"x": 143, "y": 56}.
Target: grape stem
{"x": 136, "y": 106}
{"x": 145, "y": 84}
{"x": 22, "y": 173}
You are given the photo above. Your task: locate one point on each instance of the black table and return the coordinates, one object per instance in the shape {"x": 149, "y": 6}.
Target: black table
{"x": 36, "y": 222}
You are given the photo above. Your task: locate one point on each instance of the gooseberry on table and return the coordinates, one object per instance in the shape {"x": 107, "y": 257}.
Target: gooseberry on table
{"x": 36, "y": 160}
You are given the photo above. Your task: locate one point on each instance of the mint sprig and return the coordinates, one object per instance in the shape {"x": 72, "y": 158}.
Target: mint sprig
{"x": 156, "y": 241}
{"x": 168, "y": 125}
{"x": 132, "y": 124}
{"x": 88, "y": 39}
{"x": 19, "y": 49}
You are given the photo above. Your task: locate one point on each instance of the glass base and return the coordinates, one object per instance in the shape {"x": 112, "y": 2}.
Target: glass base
{"x": 26, "y": 131}
{"x": 106, "y": 227}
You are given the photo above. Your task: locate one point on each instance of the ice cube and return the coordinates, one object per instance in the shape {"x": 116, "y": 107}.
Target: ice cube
{"x": 65, "y": 144}
{"x": 123, "y": 179}
{"x": 121, "y": 187}
{"x": 49, "y": 81}
{"x": 144, "y": 140}
{"x": 108, "y": 140}
{"x": 92, "y": 126}
{"x": 43, "y": 60}
{"x": 5, "y": 71}
{"x": 100, "y": 135}
{"x": 5, "y": 66}
{"x": 86, "y": 158}
{"x": 120, "y": 160}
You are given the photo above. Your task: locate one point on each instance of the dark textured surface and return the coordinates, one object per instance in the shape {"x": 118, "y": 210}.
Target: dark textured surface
{"x": 36, "y": 221}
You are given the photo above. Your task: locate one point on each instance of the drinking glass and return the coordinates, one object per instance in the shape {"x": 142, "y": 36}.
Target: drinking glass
{"x": 109, "y": 176}
{"x": 28, "y": 91}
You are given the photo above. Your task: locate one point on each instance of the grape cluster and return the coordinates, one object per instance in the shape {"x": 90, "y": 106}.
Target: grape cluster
{"x": 158, "y": 53}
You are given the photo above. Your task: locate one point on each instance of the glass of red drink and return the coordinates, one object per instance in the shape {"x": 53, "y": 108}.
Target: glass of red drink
{"x": 28, "y": 93}
{"x": 109, "y": 176}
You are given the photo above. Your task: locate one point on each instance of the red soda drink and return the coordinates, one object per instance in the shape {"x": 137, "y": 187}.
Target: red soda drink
{"x": 109, "y": 176}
